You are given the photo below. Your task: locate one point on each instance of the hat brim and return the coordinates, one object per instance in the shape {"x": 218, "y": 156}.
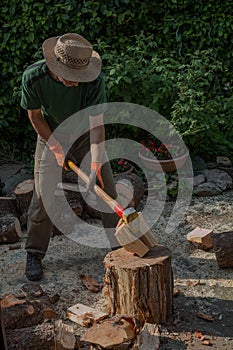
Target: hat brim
{"x": 85, "y": 74}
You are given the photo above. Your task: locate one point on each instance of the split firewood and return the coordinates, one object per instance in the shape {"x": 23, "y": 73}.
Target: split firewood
{"x": 64, "y": 336}
{"x": 23, "y": 194}
{"x": 85, "y": 315}
{"x": 90, "y": 283}
{"x": 10, "y": 229}
{"x": 223, "y": 248}
{"x": 149, "y": 338}
{"x": 118, "y": 332}
{"x": 201, "y": 238}
{"x": 39, "y": 337}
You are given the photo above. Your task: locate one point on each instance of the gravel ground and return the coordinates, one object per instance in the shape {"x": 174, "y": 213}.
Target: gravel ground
{"x": 202, "y": 285}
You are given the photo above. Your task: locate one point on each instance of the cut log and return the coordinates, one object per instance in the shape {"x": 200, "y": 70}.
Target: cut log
{"x": 20, "y": 312}
{"x": 85, "y": 315}
{"x": 201, "y": 238}
{"x": 23, "y": 194}
{"x": 141, "y": 287}
{"x": 223, "y": 248}
{"x": 8, "y": 205}
{"x": 136, "y": 184}
{"x": 39, "y": 337}
{"x": 116, "y": 333}
{"x": 10, "y": 229}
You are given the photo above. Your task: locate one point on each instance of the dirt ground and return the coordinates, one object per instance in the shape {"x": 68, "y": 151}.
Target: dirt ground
{"x": 202, "y": 287}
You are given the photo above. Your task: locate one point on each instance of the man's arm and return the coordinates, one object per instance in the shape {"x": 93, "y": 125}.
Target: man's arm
{"x": 42, "y": 128}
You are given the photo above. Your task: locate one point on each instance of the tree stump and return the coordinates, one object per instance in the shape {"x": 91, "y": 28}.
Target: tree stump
{"x": 223, "y": 248}
{"x": 141, "y": 287}
{"x": 132, "y": 185}
{"x": 23, "y": 194}
{"x": 10, "y": 229}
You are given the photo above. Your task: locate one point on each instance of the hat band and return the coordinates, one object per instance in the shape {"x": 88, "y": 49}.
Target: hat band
{"x": 69, "y": 61}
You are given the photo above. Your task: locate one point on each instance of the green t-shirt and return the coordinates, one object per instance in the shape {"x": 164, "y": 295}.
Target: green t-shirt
{"x": 58, "y": 102}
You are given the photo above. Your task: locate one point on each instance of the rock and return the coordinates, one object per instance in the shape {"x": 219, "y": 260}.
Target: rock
{"x": 220, "y": 178}
{"x": 13, "y": 181}
{"x": 198, "y": 164}
{"x": 207, "y": 189}
{"x": 198, "y": 179}
{"x": 224, "y": 162}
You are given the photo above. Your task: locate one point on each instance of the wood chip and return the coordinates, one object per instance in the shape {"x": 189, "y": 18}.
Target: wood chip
{"x": 176, "y": 292}
{"x": 85, "y": 315}
{"x": 205, "y": 316}
{"x": 90, "y": 283}
{"x": 198, "y": 334}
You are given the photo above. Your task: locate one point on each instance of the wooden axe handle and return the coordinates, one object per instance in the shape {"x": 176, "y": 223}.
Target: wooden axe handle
{"x": 116, "y": 207}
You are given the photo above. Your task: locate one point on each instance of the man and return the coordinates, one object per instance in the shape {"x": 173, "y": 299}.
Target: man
{"x": 67, "y": 81}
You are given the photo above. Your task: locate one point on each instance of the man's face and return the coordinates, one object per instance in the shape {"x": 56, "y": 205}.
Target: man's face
{"x": 67, "y": 83}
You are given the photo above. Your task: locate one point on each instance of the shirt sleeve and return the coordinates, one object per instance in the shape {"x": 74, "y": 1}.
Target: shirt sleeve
{"x": 97, "y": 101}
{"x": 29, "y": 97}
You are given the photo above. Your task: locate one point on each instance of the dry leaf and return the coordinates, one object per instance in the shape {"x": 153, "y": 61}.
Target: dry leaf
{"x": 91, "y": 283}
{"x": 198, "y": 334}
{"x": 176, "y": 292}
{"x": 205, "y": 317}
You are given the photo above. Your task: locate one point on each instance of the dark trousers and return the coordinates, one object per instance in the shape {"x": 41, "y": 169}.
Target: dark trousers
{"x": 39, "y": 222}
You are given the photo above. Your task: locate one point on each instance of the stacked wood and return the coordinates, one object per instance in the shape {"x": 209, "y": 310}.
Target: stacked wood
{"x": 10, "y": 229}
{"x": 24, "y": 318}
{"x": 8, "y": 205}
{"x": 23, "y": 194}
{"x": 141, "y": 287}
{"x": 223, "y": 248}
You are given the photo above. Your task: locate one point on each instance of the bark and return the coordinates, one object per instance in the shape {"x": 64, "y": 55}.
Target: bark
{"x": 141, "y": 287}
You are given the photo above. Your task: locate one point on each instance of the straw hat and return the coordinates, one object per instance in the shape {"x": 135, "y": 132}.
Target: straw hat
{"x": 72, "y": 57}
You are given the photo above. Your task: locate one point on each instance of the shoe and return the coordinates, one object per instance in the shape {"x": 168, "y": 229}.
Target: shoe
{"x": 34, "y": 269}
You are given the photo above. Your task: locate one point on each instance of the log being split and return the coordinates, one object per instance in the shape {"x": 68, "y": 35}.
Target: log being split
{"x": 10, "y": 229}
{"x": 141, "y": 287}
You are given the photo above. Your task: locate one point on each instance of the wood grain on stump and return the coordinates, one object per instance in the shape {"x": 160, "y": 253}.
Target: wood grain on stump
{"x": 141, "y": 287}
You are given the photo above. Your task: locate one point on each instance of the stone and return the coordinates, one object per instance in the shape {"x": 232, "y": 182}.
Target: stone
{"x": 224, "y": 162}
{"x": 198, "y": 179}
{"x": 220, "y": 178}
{"x": 207, "y": 189}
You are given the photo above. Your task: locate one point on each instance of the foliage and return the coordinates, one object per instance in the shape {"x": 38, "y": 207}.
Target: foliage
{"x": 174, "y": 57}
{"x": 153, "y": 147}
{"x": 120, "y": 165}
